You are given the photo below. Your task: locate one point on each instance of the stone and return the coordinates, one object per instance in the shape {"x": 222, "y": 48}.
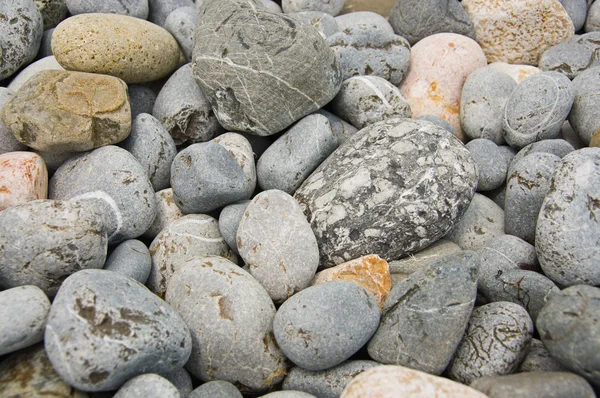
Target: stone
{"x": 390, "y": 380}
{"x": 438, "y": 121}
{"x": 577, "y": 10}
{"x": 323, "y": 22}
{"x": 364, "y": 100}
{"x": 302, "y": 76}
{"x": 166, "y": 212}
{"x": 270, "y": 5}
{"x": 46, "y": 45}
{"x": 160, "y": 9}
{"x": 583, "y": 116}
{"x": 52, "y": 11}
{"x": 21, "y": 34}
{"x": 141, "y": 99}
{"x": 569, "y": 135}
{"x": 44, "y": 241}
{"x": 23, "y": 178}
{"x": 112, "y": 180}
{"x": 382, "y": 7}
{"x": 436, "y": 91}
{"x": 567, "y": 226}
{"x": 340, "y": 128}
{"x": 189, "y": 237}
{"x": 370, "y": 272}
{"x": 568, "y": 326}
{"x": 217, "y": 388}
{"x": 105, "y": 328}
{"x": 229, "y": 222}
{"x": 332, "y": 7}
{"x": 8, "y": 142}
{"x": 182, "y": 380}
{"x": 324, "y": 325}
{"x": 63, "y": 111}
{"x": 184, "y": 110}
{"x": 569, "y": 58}
{"x": 426, "y": 314}
{"x": 126, "y": 47}
{"x": 132, "y": 8}
{"x": 538, "y": 359}
{"x": 131, "y": 258}
{"x": 592, "y": 21}
{"x": 518, "y": 32}
{"x": 232, "y": 336}
{"x": 54, "y": 160}
{"x": 46, "y": 63}
{"x": 287, "y": 394}
{"x": 23, "y": 311}
{"x": 517, "y": 71}
{"x": 556, "y": 147}
{"x": 416, "y": 19}
{"x": 146, "y": 385}
{"x": 417, "y": 198}
{"x": 547, "y": 384}
{"x": 181, "y": 23}
{"x": 492, "y": 163}
{"x": 484, "y": 94}
{"x": 153, "y": 147}
{"x": 241, "y": 150}
{"x": 295, "y": 155}
{"x": 369, "y": 50}
{"x": 497, "y": 195}
{"x": 356, "y": 18}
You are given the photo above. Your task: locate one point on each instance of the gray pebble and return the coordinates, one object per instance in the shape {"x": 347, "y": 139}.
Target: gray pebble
{"x": 54, "y": 160}
{"x": 259, "y": 143}
{"x": 182, "y": 380}
{"x": 240, "y": 148}
{"x": 357, "y": 18}
{"x": 438, "y": 121}
{"x": 141, "y": 98}
{"x": 569, "y": 58}
{"x": 46, "y": 44}
{"x": 105, "y": 328}
{"x": 8, "y": 142}
{"x": 584, "y": 114}
{"x": 132, "y": 8}
{"x": 47, "y": 63}
{"x": 592, "y": 21}
{"x": 147, "y": 385}
{"x": 181, "y": 23}
{"x": 556, "y": 147}
{"x": 332, "y": 7}
{"x": 131, "y": 258}
{"x": 569, "y": 135}
{"x": 166, "y": 212}
{"x": 538, "y": 359}
{"x": 323, "y": 22}
{"x": 269, "y": 5}
{"x": 288, "y": 394}
{"x": 341, "y": 129}
{"x": 492, "y": 163}
{"x": 216, "y": 389}
{"x": 53, "y": 11}
{"x": 577, "y": 10}
{"x": 160, "y": 9}
{"x": 323, "y": 325}
{"x": 497, "y": 195}
{"x": 229, "y": 222}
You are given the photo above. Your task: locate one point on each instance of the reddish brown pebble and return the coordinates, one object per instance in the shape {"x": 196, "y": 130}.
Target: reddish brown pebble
{"x": 23, "y": 177}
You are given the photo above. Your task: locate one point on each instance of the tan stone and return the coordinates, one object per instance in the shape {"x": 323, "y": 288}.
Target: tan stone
{"x": 23, "y": 178}
{"x": 516, "y": 71}
{"x": 381, "y": 7}
{"x": 132, "y": 49}
{"x": 370, "y": 272}
{"x": 518, "y": 31}
{"x": 63, "y": 111}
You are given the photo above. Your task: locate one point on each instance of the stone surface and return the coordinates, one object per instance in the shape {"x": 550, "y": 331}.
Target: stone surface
{"x": 438, "y": 121}
{"x": 46, "y": 63}
{"x": 569, "y": 58}
{"x": 8, "y": 142}
{"x": 166, "y": 212}
{"x": 364, "y": 18}
{"x": 492, "y": 163}
{"x": 23, "y": 178}
{"x": 323, "y": 22}
{"x": 63, "y": 111}
{"x": 288, "y": 394}
{"x": 141, "y": 99}
{"x": 240, "y": 148}
{"x": 181, "y": 23}
{"x": 182, "y": 380}
{"x": 577, "y": 10}
{"x": 53, "y": 11}
{"x": 217, "y": 388}
{"x": 538, "y": 359}
{"x": 332, "y": 7}
{"x": 149, "y": 384}
{"x": 592, "y": 22}
{"x": 401, "y": 269}
{"x": 160, "y": 9}
{"x": 129, "y": 48}
{"x": 340, "y": 128}
{"x": 417, "y": 200}
{"x": 584, "y": 117}
{"x": 131, "y": 258}
{"x": 132, "y": 8}
{"x": 556, "y": 147}
{"x": 229, "y": 222}
{"x": 517, "y": 71}
{"x": 382, "y": 7}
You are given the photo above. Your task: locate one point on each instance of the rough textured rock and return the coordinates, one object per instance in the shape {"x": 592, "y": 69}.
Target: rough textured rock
{"x": 569, "y": 58}
{"x": 46, "y": 63}
{"x": 53, "y": 11}
{"x": 133, "y": 8}
{"x": 131, "y": 258}
{"x": 149, "y": 384}
{"x": 417, "y": 197}
{"x": 23, "y": 178}
{"x": 8, "y": 142}
{"x": 546, "y": 384}
{"x": 166, "y": 212}
{"x": 217, "y": 388}
{"x": 584, "y": 113}
{"x": 538, "y": 359}
{"x": 323, "y": 22}
{"x": 556, "y": 147}
{"x": 332, "y": 7}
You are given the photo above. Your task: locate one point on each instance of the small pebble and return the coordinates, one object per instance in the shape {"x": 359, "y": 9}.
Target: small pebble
{"x": 8, "y": 142}
{"x": 577, "y": 10}
{"x": 181, "y": 23}
{"x": 229, "y": 222}
{"x": 492, "y": 163}
{"x": 583, "y": 116}
{"x": 147, "y": 385}
{"x": 556, "y": 147}
{"x": 241, "y": 150}
{"x": 358, "y": 18}
{"x": 288, "y": 394}
{"x": 132, "y": 8}
{"x": 517, "y": 71}
{"x": 569, "y": 58}
{"x": 182, "y": 380}
{"x": 341, "y": 129}
{"x": 53, "y": 11}
{"x": 131, "y": 258}
{"x": 538, "y": 359}
{"x": 438, "y": 121}
{"x": 23, "y": 178}
{"x": 46, "y": 63}
{"x": 160, "y": 9}
{"x": 592, "y": 21}
{"x": 166, "y": 212}
{"x": 141, "y": 99}
{"x": 332, "y": 7}
{"x": 216, "y": 389}
{"x": 46, "y": 45}
{"x": 323, "y": 22}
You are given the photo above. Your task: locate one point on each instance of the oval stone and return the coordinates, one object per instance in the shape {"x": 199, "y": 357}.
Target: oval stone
{"x": 217, "y": 388}
{"x": 23, "y": 177}
{"x": 131, "y": 258}
{"x": 147, "y": 385}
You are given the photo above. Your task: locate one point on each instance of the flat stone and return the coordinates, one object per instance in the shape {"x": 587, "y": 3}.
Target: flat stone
{"x": 181, "y": 23}
{"x": 538, "y": 359}
{"x": 332, "y": 7}
{"x": 166, "y": 212}
{"x": 131, "y": 258}
{"x": 46, "y": 63}
{"x": 132, "y": 8}
{"x": 517, "y": 71}
{"x": 23, "y": 178}
{"x": 217, "y": 388}
{"x": 53, "y": 11}
{"x": 569, "y": 58}
{"x": 146, "y": 385}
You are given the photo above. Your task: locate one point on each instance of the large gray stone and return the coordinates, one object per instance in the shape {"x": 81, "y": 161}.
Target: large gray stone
{"x": 240, "y": 148}
{"x": 558, "y": 147}
{"x": 492, "y": 163}
{"x": 569, "y": 58}
{"x": 538, "y": 359}
{"x": 323, "y": 22}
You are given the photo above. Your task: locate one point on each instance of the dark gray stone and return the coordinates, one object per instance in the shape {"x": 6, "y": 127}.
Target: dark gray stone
{"x": 577, "y": 10}
{"x": 147, "y": 385}
{"x": 332, "y": 7}
{"x": 132, "y": 8}
{"x": 538, "y": 359}
{"x": 357, "y": 18}
{"x": 216, "y": 389}
{"x": 497, "y": 195}
{"x": 8, "y": 142}
{"x": 323, "y": 22}
{"x": 556, "y": 147}
{"x": 340, "y": 128}
{"x": 438, "y": 121}
{"x": 492, "y": 163}
{"x": 323, "y": 325}
{"x": 54, "y": 160}
{"x": 569, "y": 58}
{"x": 182, "y": 380}
{"x": 229, "y": 221}
{"x": 141, "y": 99}
{"x": 159, "y": 10}
{"x": 181, "y": 23}
{"x": 53, "y": 11}
{"x": 584, "y": 116}
{"x": 131, "y": 258}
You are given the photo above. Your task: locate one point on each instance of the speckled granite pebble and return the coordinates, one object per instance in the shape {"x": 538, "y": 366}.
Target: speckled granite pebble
{"x": 23, "y": 178}
{"x": 147, "y": 385}
{"x": 133, "y": 8}
{"x": 217, "y": 388}
{"x": 131, "y": 258}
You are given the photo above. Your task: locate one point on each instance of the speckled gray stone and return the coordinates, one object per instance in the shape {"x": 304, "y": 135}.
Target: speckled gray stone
{"x": 482, "y": 101}
{"x": 425, "y": 315}
{"x": 184, "y": 110}
{"x": 232, "y": 336}
{"x": 537, "y": 108}
{"x": 323, "y": 325}
{"x": 21, "y": 31}
{"x": 182, "y": 380}
{"x": 584, "y": 116}
{"x": 368, "y": 50}
{"x": 568, "y": 326}
{"x": 8, "y": 142}
{"x": 216, "y": 389}
{"x": 23, "y": 311}
{"x": 569, "y": 58}
{"x": 438, "y": 121}
{"x": 492, "y": 163}
{"x": 131, "y": 258}
{"x": 332, "y": 7}
{"x": 364, "y": 18}
{"x": 229, "y": 221}
{"x": 44, "y": 241}
{"x": 417, "y": 199}
{"x": 53, "y": 11}
{"x": 46, "y": 63}
{"x": 166, "y": 212}
{"x": 105, "y": 328}
{"x": 341, "y": 129}
{"x": 568, "y": 227}
{"x": 577, "y": 10}
{"x": 133, "y": 8}
{"x": 141, "y": 99}
{"x": 538, "y": 359}
{"x": 160, "y": 9}
{"x": 240, "y": 148}
{"x": 111, "y": 179}
{"x": 323, "y": 22}
{"x": 235, "y": 64}
{"x": 416, "y": 19}
{"x": 147, "y": 385}
{"x": 494, "y": 344}
{"x": 294, "y": 155}
{"x": 288, "y": 394}
{"x": 181, "y": 23}
{"x": 556, "y": 147}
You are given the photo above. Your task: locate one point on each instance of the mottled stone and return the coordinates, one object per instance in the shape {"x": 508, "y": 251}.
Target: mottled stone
{"x": 141, "y": 99}
{"x": 517, "y": 71}
{"x": 584, "y": 113}
{"x": 181, "y": 23}
{"x": 133, "y": 8}
{"x": 147, "y": 385}
{"x": 381, "y": 7}
{"x": 569, "y": 58}
{"x": 160, "y": 9}
{"x": 217, "y": 388}
{"x": 556, "y": 147}
{"x": 46, "y": 63}
{"x": 229, "y": 222}
{"x": 401, "y": 269}
{"x": 240, "y": 148}
{"x": 538, "y": 359}
{"x": 23, "y": 178}
{"x": 340, "y": 128}
{"x": 53, "y": 11}
{"x": 323, "y": 22}
{"x": 166, "y": 212}
{"x": 364, "y": 18}
{"x": 438, "y": 121}
{"x": 270, "y": 5}
{"x": 8, "y": 142}
{"x": 332, "y": 7}
{"x": 492, "y": 163}
{"x": 131, "y": 258}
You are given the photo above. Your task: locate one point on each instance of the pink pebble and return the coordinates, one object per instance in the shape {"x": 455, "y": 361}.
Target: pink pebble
{"x": 23, "y": 178}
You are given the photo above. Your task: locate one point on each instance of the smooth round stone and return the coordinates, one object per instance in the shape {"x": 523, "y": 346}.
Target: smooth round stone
{"x": 232, "y": 335}
{"x": 182, "y": 380}
{"x": 64, "y": 111}
{"x": 131, "y": 258}
{"x": 189, "y": 237}
{"x": 568, "y": 326}
{"x": 288, "y": 394}
{"x": 111, "y": 179}
{"x": 53, "y": 11}
{"x": 160, "y": 9}
{"x": 364, "y": 18}
{"x": 382, "y": 7}
{"x": 147, "y": 385}
{"x": 494, "y": 344}
{"x": 537, "y": 109}
{"x": 229, "y": 222}
{"x": 105, "y": 328}
{"x": 577, "y": 10}
{"x": 44, "y": 241}
{"x": 418, "y": 19}
{"x": 181, "y": 23}
{"x": 269, "y": 5}
{"x": 303, "y": 72}
{"x": 46, "y": 63}
{"x": 323, "y": 325}
{"x": 592, "y": 21}
{"x": 518, "y": 32}
{"x": 141, "y": 98}
{"x": 438, "y": 121}
{"x": 417, "y": 198}
{"x": 517, "y": 71}
{"x": 482, "y": 104}
{"x": 152, "y": 146}
{"x": 584, "y": 113}
{"x": 538, "y": 359}
{"x": 166, "y": 212}
{"x": 132, "y": 49}
{"x": 23, "y": 178}
{"x": 432, "y": 90}
{"x": 364, "y": 100}
{"x": 21, "y": 31}
{"x": 295, "y": 155}
{"x": 133, "y": 8}
{"x": 217, "y": 388}
{"x": 8, "y": 142}
{"x": 241, "y": 150}
{"x": 369, "y": 50}
{"x": 184, "y": 110}
{"x": 23, "y": 311}
{"x": 332, "y": 7}
{"x": 569, "y": 58}
{"x": 568, "y": 226}
{"x": 394, "y": 381}
{"x": 492, "y": 163}
{"x": 323, "y": 22}
{"x": 556, "y": 147}
{"x": 340, "y": 128}
{"x": 526, "y": 189}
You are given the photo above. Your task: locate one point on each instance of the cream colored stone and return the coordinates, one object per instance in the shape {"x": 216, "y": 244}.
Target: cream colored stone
{"x": 23, "y": 178}
{"x": 518, "y": 31}
{"x": 516, "y": 71}
{"x": 132, "y": 49}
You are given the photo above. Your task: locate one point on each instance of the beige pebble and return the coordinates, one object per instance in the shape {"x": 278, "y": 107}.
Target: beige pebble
{"x": 23, "y": 178}
{"x": 517, "y": 71}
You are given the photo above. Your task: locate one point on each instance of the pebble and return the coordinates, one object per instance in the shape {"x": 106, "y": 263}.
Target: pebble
{"x": 323, "y": 22}
{"x": 23, "y": 311}
{"x": 131, "y": 258}
{"x": 21, "y": 31}
{"x": 241, "y": 150}
{"x": 538, "y": 359}
{"x": 438, "y": 121}
{"x": 54, "y": 160}
{"x": 53, "y": 11}
{"x": 382, "y": 7}
{"x": 141, "y": 99}
{"x": 583, "y": 116}
{"x": 577, "y": 10}
{"x": 340, "y": 128}
{"x": 324, "y": 325}
{"x": 160, "y": 9}
{"x": 23, "y": 178}
{"x": 592, "y": 21}
{"x": 8, "y": 142}
{"x": 182, "y": 380}
{"x": 556, "y": 147}
{"x": 46, "y": 45}
{"x": 46, "y": 63}
{"x": 105, "y": 328}
{"x": 269, "y": 5}
{"x": 358, "y": 18}
{"x": 132, "y": 8}
{"x": 147, "y": 385}
{"x": 332, "y": 7}
{"x": 287, "y": 394}
{"x": 517, "y": 71}
{"x": 492, "y": 163}
{"x": 181, "y": 23}
{"x": 166, "y": 212}
{"x": 232, "y": 336}
{"x": 126, "y": 47}
{"x": 569, "y": 58}
{"x": 229, "y": 222}
{"x": 216, "y": 389}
